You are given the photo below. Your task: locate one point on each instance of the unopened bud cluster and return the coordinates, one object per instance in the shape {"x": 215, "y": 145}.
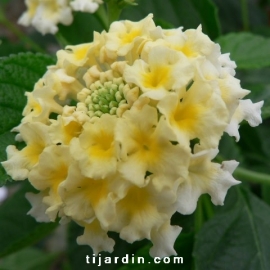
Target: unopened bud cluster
{"x": 105, "y": 98}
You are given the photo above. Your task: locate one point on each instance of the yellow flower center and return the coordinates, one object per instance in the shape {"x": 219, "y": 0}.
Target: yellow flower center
{"x": 102, "y": 145}
{"x": 135, "y": 201}
{"x": 129, "y": 37}
{"x": 33, "y": 151}
{"x": 81, "y": 52}
{"x": 186, "y": 116}
{"x": 156, "y": 77}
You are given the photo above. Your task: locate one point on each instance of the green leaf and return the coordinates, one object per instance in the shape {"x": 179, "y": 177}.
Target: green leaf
{"x": 238, "y": 235}
{"x": 257, "y": 15}
{"x": 209, "y": 16}
{"x": 176, "y": 13}
{"x": 18, "y": 73}
{"x": 189, "y": 14}
{"x": 247, "y": 50}
{"x": 28, "y": 259}
{"x": 253, "y": 147}
{"x": 18, "y": 230}
{"x": 266, "y": 193}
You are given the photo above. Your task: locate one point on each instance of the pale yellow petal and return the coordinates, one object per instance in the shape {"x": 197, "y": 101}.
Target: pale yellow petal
{"x": 205, "y": 177}
{"x": 200, "y": 113}
{"x": 95, "y": 149}
{"x": 146, "y": 144}
{"x": 163, "y": 240}
{"x": 19, "y": 163}
{"x": 159, "y": 75}
{"x": 95, "y": 237}
{"x": 38, "y": 207}
{"x": 86, "y": 199}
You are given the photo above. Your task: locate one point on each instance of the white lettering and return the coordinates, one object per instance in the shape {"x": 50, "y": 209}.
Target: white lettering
{"x": 177, "y": 259}
{"x": 99, "y": 260}
{"x": 125, "y": 259}
{"x": 166, "y": 259}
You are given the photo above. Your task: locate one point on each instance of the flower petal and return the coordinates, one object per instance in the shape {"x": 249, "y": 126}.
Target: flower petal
{"x": 205, "y": 177}
{"x": 163, "y": 240}
{"x": 95, "y": 237}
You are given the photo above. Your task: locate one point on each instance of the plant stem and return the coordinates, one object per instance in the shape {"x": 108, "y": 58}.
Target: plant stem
{"x": 245, "y": 15}
{"x": 198, "y": 216}
{"x": 114, "y": 11}
{"x": 17, "y": 32}
{"x": 61, "y": 40}
{"x": 102, "y": 17}
{"x": 208, "y": 207}
{"x": 248, "y": 175}
{"x": 251, "y": 176}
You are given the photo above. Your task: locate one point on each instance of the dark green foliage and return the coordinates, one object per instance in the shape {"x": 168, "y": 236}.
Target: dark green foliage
{"x": 249, "y": 51}
{"x": 237, "y": 236}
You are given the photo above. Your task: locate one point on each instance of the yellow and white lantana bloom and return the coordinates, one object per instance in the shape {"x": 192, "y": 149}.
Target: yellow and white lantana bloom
{"x": 119, "y": 153}
{"x": 45, "y": 15}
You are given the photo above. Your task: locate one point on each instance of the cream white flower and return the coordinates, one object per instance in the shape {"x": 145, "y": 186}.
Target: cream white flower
{"x": 63, "y": 83}
{"x": 51, "y": 170}
{"x": 90, "y": 6}
{"x": 40, "y": 104}
{"x": 44, "y": 15}
{"x": 229, "y": 87}
{"x": 64, "y": 129}
{"x": 95, "y": 237}
{"x": 28, "y": 16}
{"x": 19, "y": 163}
{"x": 123, "y": 36}
{"x": 140, "y": 212}
{"x": 192, "y": 42}
{"x": 190, "y": 115}
{"x": 163, "y": 240}
{"x": 38, "y": 207}
{"x": 205, "y": 177}
{"x": 86, "y": 198}
{"x": 248, "y": 111}
{"x": 227, "y": 64}
{"x": 168, "y": 72}
{"x": 147, "y": 148}
{"x": 96, "y": 149}
{"x": 110, "y": 130}
{"x": 74, "y": 55}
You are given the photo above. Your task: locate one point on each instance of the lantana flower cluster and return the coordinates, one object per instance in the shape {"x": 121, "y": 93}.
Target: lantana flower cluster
{"x": 121, "y": 133}
{"x": 44, "y": 15}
